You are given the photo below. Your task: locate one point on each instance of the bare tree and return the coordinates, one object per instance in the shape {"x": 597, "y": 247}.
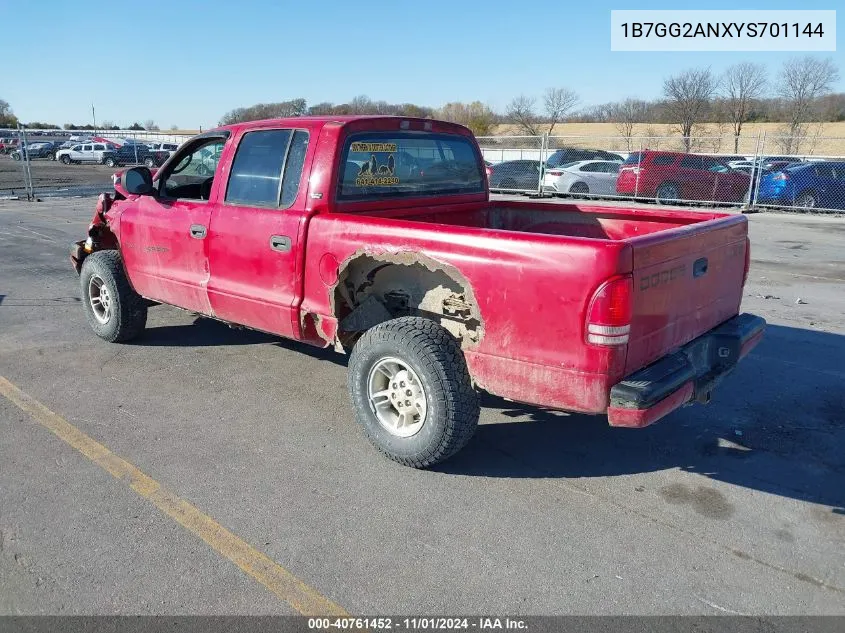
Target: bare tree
{"x": 742, "y": 84}
{"x": 802, "y": 81}
{"x": 625, "y": 115}
{"x": 150, "y": 125}
{"x": 688, "y": 96}
{"x": 521, "y": 112}
{"x": 558, "y": 102}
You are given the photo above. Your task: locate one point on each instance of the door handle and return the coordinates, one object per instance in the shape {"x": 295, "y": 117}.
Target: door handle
{"x": 280, "y": 243}
{"x": 198, "y": 231}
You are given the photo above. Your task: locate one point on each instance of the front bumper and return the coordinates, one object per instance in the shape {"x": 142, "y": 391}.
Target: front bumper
{"x": 691, "y": 373}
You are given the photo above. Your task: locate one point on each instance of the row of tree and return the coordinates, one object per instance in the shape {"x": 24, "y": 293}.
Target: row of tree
{"x": 799, "y": 96}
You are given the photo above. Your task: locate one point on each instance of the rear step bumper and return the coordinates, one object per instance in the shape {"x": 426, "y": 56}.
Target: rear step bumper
{"x": 690, "y": 373}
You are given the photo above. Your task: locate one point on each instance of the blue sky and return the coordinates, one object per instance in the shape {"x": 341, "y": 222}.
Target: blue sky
{"x": 186, "y": 63}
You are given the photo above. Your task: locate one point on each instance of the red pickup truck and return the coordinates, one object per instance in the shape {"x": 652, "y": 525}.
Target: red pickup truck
{"x": 377, "y": 236}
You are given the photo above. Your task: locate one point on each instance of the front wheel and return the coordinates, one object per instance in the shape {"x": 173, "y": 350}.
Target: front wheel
{"x": 110, "y": 162}
{"x": 412, "y": 392}
{"x": 806, "y": 200}
{"x": 149, "y": 162}
{"x": 65, "y": 159}
{"x": 113, "y": 309}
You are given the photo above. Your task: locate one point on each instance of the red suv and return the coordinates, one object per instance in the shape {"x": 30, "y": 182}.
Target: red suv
{"x": 670, "y": 176}
{"x": 8, "y": 145}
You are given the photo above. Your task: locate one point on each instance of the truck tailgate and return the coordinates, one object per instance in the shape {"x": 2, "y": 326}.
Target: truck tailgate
{"x": 687, "y": 280}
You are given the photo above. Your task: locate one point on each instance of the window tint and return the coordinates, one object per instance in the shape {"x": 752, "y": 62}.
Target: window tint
{"x": 293, "y": 168}
{"x": 86, "y": 148}
{"x": 610, "y": 168}
{"x": 691, "y": 162}
{"x": 713, "y": 164}
{"x": 76, "y": 148}
{"x": 633, "y": 158}
{"x": 257, "y": 168}
{"x": 408, "y": 164}
{"x": 591, "y": 167}
{"x": 664, "y": 159}
{"x": 99, "y": 147}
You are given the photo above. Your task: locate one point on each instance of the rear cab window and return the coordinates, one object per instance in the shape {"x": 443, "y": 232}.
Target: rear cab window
{"x": 408, "y": 165}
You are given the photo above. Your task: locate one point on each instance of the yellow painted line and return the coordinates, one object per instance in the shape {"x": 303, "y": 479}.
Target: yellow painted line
{"x": 277, "y": 579}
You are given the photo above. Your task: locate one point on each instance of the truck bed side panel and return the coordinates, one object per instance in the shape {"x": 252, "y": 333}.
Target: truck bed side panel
{"x": 531, "y": 292}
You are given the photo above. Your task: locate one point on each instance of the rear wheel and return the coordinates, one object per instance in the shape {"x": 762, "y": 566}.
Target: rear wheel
{"x": 411, "y": 391}
{"x": 668, "y": 192}
{"x": 113, "y": 309}
{"x": 807, "y": 200}
{"x": 579, "y": 187}
{"x": 149, "y": 162}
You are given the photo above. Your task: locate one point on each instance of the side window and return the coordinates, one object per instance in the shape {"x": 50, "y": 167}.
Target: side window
{"x": 99, "y": 148}
{"x": 592, "y": 167}
{"x": 191, "y": 177}
{"x": 86, "y": 148}
{"x": 76, "y": 148}
{"x": 257, "y": 168}
{"x": 665, "y": 159}
{"x": 293, "y": 168}
{"x": 711, "y": 164}
{"x": 691, "y": 162}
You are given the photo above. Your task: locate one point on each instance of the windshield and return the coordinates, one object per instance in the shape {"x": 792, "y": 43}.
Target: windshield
{"x": 408, "y": 164}
{"x": 633, "y": 158}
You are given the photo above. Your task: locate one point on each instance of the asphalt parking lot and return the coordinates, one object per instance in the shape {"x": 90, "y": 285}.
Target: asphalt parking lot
{"x": 52, "y": 178}
{"x": 736, "y": 507}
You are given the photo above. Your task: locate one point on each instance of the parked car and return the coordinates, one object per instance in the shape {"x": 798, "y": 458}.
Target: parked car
{"x": 514, "y": 175}
{"x": 820, "y": 184}
{"x": 167, "y": 147}
{"x": 574, "y": 154}
{"x": 307, "y": 230}
{"x": 672, "y": 176}
{"x": 35, "y": 150}
{"x": 583, "y": 177}
{"x": 135, "y": 154}
{"x": 85, "y": 153}
{"x": 8, "y": 145}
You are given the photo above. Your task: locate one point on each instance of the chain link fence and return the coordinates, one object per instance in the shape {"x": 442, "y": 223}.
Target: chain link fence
{"x": 792, "y": 173}
{"x": 42, "y": 163}
{"x": 778, "y": 172}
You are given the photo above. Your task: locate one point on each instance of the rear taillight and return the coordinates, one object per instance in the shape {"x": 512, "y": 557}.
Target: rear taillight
{"x": 489, "y": 172}
{"x": 781, "y": 176}
{"x": 554, "y": 172}
{"x": 633, "y": 170}
{"x": 609, "y": 314}
{"x": 747, "y": 261}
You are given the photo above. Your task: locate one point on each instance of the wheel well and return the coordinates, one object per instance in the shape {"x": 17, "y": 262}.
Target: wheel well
{"x": 372, "y": 289}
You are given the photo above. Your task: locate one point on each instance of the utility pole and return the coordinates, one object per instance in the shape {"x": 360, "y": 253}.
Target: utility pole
{"x": 94, "y": 117}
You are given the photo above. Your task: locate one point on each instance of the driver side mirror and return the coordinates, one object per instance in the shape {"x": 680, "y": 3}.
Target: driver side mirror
{"x": 138, "y": 181}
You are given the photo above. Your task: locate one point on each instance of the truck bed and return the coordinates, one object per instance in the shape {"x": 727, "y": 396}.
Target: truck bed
{"x": 550, "y": 218}
{"x": 687, "y": 267}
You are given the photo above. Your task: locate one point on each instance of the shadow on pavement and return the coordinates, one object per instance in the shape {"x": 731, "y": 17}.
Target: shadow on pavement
{"x": 776, "y": 425}
{"x": 208, "y": 332}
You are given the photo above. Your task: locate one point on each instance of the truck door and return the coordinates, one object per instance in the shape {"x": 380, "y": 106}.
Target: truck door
{"x": 164, "y": 238}
{"x": 253, "y": 241}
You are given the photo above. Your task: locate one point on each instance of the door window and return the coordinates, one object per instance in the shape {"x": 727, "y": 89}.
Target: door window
{"x": 192, "y": 174}
{"x": 86, "y": 148}
{"x": 267, "y": 168}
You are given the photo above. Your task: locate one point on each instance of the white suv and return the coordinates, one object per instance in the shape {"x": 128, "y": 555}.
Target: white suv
{"x": 85, "y": 153}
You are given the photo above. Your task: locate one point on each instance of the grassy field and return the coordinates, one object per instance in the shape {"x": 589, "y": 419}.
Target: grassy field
{"x": 824, "y": 139}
